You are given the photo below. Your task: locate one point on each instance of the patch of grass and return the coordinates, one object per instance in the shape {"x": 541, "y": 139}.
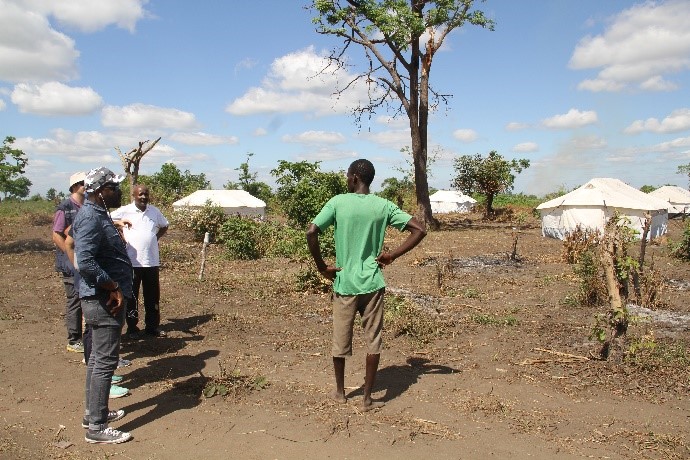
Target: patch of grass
{"x": 310, "y": 280}
{"x": 17, "y": 208}
{"x": 493, "y": 320}
{"x": 406, "y": 319}
{"x": 470, "y": 293}
{"x": 233, "y": 384}
{"x": 650, "y": 355}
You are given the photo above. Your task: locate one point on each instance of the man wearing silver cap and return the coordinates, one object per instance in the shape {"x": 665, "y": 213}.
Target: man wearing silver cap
{"x": 106, "y": 283}
{"x": 63, "y": 218}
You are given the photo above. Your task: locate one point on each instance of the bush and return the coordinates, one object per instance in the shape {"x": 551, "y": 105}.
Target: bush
{"x": 241, "y": 238}
{"x": 681, "y": 250}
{"x": 210, "y": 219}
{"x": 246, "y": 239}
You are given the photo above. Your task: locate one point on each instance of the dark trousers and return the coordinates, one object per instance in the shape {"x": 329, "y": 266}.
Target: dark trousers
{"x": 72, "y": 308}
{"x": 148, "y": 280}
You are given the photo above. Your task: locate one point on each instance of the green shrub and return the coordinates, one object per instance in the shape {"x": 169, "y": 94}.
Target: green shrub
{"x": 240, "y": 236}
{"x": 681, "y": 249}
{"x": 210, "y": 219}
{"x": 247, "y": 239}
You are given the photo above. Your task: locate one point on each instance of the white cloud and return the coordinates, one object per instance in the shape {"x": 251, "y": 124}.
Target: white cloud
{"x": 573, "y": 119}
{"x": 526, "y": 147}
{"x": 54, "y": 98}
{"x": 32, "y": 51}
{"x": 3, "y": 105}
{"x": 516, "y": 126}
{"x": 399, "y": 122}
{"x": 678, "y": 120}
{"x": 465, "y": 135}
{"x": 327, "y": 154}
{"x": 245, "y": 64}
{"x": 597, "y": 86}
{"x": 657, "y": 83}
{"x": 315, "y": 137}
{"x": 679, "y": 143}
{"x": 260, "y": 132}
{"x": 639, "y": 46}
{"x": 297, "y": 82}
{"x": 199, "y": 138}
{"x": 147, "y": 116}
{"x": 90, "y": 16}
{"x": 394, "y": 139}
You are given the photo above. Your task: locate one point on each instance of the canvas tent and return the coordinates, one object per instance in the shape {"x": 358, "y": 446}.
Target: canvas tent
{"x": 592, "y": 204}
{"x": 233, "y": 202}
{"x": 677, "y": 198}
{"x": 446, "y": 201}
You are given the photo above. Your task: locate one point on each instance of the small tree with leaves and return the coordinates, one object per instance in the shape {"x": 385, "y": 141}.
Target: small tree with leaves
{"x": 303, "y": 189}
{"x": 12, "y": 165}
{"x": 171, "y": 184}
{"x": 247, "y": 182}
{"x": 399, "y": 39}
{"x": 487, "y": 176}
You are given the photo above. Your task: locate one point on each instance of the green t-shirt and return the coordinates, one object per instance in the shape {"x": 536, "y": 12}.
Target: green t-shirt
{"x": 360, "y": 223}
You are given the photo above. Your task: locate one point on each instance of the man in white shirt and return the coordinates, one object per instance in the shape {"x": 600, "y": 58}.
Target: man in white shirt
{"x": 148, "y": 226}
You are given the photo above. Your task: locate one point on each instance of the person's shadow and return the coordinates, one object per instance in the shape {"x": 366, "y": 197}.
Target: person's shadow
{"x": 147, "y": 347}
{"x": 397, "y": 379}
{"x": 184, "y": 394}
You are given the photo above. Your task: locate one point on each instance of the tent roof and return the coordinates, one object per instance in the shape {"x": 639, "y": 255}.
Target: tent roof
{"x": 451, "y": 196}
{"x": 672, "y": 194}
{"x": 222, "y": 198}
{"x": 606, "y": 192}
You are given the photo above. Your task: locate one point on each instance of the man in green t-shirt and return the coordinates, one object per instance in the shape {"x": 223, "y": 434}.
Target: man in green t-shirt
{"x": 360, "y": 220}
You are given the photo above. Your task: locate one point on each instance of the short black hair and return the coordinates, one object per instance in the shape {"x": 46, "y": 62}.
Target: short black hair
{"x": 363, "y": 169}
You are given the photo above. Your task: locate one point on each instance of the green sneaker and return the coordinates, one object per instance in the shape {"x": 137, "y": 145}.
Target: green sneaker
{"x": 76, "y": 347}
{"x": 117, "y": 392}
{"x": 117, "y": 379}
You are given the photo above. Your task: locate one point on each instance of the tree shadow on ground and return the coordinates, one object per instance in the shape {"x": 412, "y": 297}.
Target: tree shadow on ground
{"x": 22, "y": 246}
{"x": 184, "y": 394}
{"x": 397, "y": 379}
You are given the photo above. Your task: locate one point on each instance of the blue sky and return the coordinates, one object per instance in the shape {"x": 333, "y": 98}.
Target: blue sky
{"x": 580, "y": 88}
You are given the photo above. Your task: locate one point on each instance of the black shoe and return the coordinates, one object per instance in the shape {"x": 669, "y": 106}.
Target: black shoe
{"x": 156, "y": 333}
{"x": 133, "y": 333}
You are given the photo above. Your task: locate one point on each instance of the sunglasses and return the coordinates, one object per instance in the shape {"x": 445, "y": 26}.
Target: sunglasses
{"x": 112, "y": 186}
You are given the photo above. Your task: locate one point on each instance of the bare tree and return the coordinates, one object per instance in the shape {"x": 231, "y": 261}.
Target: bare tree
{"x": 390, "y": 33}
{"x": 130, "y": 160}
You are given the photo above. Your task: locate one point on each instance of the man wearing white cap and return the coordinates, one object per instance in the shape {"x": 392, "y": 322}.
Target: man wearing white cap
{"x": 63, "y": 218}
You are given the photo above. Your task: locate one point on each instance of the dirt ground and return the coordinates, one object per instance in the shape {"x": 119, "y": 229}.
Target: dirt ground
{"x": 504, "y": 373}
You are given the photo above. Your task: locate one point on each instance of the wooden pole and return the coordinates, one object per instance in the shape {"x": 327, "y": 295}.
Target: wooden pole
{"x": 207, "y": 240}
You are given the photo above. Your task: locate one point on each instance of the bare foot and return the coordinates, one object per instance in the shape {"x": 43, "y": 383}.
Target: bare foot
{"x": 339, "y": 397}
{"x": 372, "y": 405}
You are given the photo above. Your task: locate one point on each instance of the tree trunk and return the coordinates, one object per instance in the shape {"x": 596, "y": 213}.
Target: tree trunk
{"x": 489, "y": 204}
{"x": 419, "y": 122}
{"x": 613, "y": 347}
{"x": 130, "y": 160}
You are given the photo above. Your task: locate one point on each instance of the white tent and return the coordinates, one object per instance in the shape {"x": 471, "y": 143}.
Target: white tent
{"x": 677, "y": 198}
{"x": 592, "y": 204}
{"x": 446, "y": 201}
{"x": 233, "y": 202}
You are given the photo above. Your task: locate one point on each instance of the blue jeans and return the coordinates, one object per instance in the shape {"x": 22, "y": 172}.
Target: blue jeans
{"x": 105, "y": 353}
